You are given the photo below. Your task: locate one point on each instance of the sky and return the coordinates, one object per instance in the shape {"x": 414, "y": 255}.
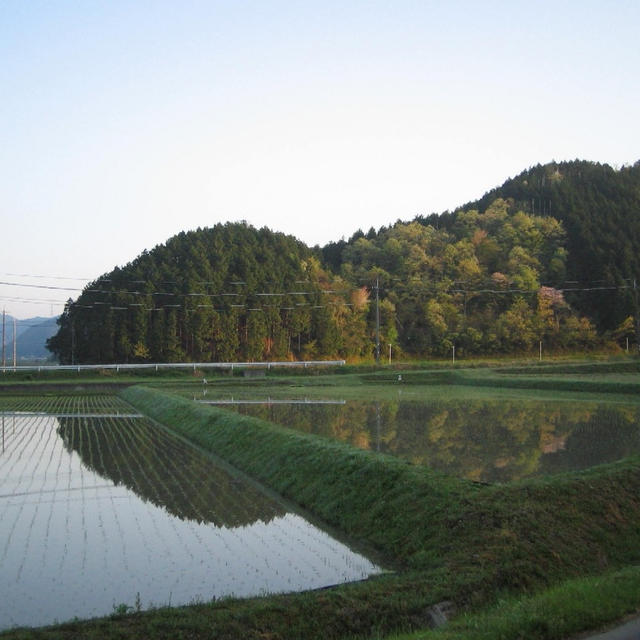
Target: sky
{"x": 124, "y": 123}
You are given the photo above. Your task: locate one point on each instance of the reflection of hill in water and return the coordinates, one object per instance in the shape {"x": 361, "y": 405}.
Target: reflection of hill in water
{"x": 487, "y": 440}
{"x": 165, "y": 471}
{"x": 500, "y": 441}
{"x": 608, "y": 435}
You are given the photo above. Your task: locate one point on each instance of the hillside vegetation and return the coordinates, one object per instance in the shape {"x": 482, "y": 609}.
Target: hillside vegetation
{"x": 550, "y": 256}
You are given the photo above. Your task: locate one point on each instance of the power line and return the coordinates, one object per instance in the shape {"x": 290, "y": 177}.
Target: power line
{"x": 121, "y": 305}
{"x": 30, "y": 275}
{"x": 103, "y": 304}
{"x": 100, "y": 305}
{"x": 171, "y": 293}
{"x": 38, "y": 286}
{"x": 613, "y": 288}
{"x": 34, "y": 300}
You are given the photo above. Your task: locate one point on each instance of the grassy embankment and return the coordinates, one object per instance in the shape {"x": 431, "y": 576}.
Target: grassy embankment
{"x": 449, "y": 539}
{"x": 610, "y": 377}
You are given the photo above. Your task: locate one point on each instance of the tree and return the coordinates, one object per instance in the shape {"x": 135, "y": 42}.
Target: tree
{"x": 516, "y": 329}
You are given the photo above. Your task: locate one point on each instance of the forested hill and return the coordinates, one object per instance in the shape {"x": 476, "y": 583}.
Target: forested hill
{"x": 226, "y": 293}
{"x": 548, "y": 257}
{"x": 599, "y": 208}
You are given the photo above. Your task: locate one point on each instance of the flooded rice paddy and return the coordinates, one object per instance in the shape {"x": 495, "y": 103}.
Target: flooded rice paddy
{"x": 485, "y": 439}
{"x": 103, "y": 510}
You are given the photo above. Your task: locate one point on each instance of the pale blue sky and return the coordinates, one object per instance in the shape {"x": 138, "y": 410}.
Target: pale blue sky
{"x": 123, "y": 123}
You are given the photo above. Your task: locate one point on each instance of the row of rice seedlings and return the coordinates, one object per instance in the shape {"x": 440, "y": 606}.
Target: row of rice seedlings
{"x": 20, "y": 404}
{"x": 174, "y": 474}
{"x": 15, "y": 430}
{"x": 65, "y": 404}
{"x": 309, "y": 556}
{"x": 229, "y": 500}
{"x": 104, "y": 404}
{"x": 58, "y": 456}
{"x": 110, "y": 447}
{"x": 314, "y": 542}
{"x": 142, "y": 455}
{"x": 26, "y": 403}
{"x": 20, "y": 446}
{"x": 189, "y": 477}
{"x": 105, "y": 523}
{"x": 45, "y": 446}
{"x": 96, "y": 434}
{"x": 134, "y": 456}
{"x": 51, "y": 480}
{"x": 24, "y": 471}
{"x": 169, "y": 472}
{"x": 71, "y": 463}
{"x": 127, "y": 538}
{"x": 114, "y": 439}
{"x": 118, "y": 436}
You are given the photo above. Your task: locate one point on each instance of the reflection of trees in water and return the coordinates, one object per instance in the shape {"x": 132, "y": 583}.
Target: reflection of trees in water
{"x": 164, "y": 470}
{"x": 609, "y": 434}
{"x": 493, "y": 441}
{"x": 368, "y": 425}
{"x": 488, "y": 440}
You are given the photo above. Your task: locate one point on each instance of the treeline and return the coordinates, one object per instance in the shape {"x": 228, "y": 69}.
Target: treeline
{"x": 599, "y": 208}
{"x": 489, "y": 283}
{"x": 549, "y": 257}
{"x": 228, "y": 293}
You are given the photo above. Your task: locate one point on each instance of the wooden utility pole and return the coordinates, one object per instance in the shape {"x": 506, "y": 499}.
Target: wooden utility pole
{"x": 73, "y": 341}
{"x": 3, "y": 328}
{"x": 377, "y": 321}
{"x": 637, "y": 315}
{"x": 14, "y": 343}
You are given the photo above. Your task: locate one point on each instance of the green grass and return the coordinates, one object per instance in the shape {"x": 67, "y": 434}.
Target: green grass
{"x": 458, "y": 540}
{"x": 361, "y": 492}
{"x": 426, "y": 384}
{"x": 559, "y": 612}
{"x": 555, "y": 380}
{"x": 508, "y": 555}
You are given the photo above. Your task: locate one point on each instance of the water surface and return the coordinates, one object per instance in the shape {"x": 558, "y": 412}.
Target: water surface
{"x": 492, "y": 440}
{"x": 110, "y": 511}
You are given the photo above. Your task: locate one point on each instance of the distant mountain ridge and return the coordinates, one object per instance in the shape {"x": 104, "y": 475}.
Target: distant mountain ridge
{"x": 31, "y": 337}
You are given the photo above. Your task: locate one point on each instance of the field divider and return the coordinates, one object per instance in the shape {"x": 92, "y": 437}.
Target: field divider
{"x": 354, "y": 490}
{"x": 476, "y": 538}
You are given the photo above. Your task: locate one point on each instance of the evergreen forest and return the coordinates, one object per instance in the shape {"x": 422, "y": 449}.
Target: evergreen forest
{"x": 551, "y": 256}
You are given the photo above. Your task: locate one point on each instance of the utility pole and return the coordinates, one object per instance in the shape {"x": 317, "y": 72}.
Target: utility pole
{"x": 637, "y": 315}
{"x": 377, "y": 321}
{"x": 14, "y": 343}
{"x": 3, "y": 327}
{"x": 73, "y": 341}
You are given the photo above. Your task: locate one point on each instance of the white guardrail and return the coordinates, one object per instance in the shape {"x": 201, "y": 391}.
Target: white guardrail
{"x": 174, "y": 365}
